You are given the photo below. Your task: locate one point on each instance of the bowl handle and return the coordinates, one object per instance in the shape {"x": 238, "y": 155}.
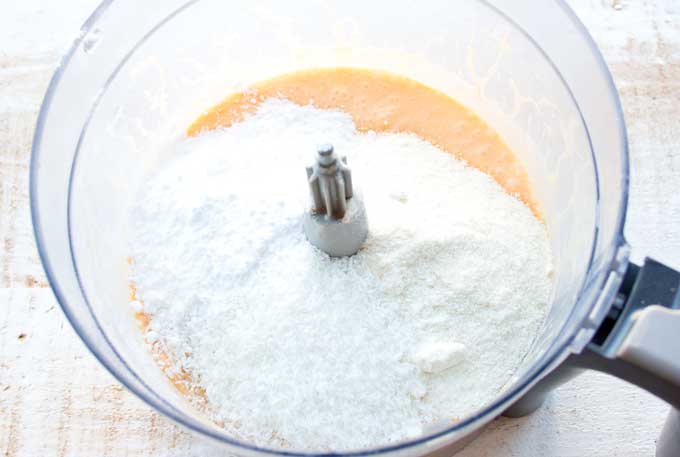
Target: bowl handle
{"x": 638, "y": 341}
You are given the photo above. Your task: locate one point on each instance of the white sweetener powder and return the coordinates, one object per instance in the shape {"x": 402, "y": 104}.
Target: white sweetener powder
{"x": 294, "y": 349}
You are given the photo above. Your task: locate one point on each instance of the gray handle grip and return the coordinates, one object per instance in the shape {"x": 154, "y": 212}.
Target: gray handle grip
{"x": 643, "y": 345}
{"x": 653, "y": 342}
{"x": 639, "y": 341}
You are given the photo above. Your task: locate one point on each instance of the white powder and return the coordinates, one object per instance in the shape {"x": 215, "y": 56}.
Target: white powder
{"x": 294, "y": 349}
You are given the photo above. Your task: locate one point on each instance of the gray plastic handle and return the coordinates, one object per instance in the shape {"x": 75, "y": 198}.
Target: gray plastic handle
{"x": 653, "y": 342}
{"x": 639, "y": 341}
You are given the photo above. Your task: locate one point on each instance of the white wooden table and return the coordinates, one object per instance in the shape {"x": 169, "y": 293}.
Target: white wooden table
{"x": 56, "y": 400}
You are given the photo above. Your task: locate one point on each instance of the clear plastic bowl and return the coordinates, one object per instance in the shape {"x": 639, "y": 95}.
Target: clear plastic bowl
{"x": 141, "y": 71}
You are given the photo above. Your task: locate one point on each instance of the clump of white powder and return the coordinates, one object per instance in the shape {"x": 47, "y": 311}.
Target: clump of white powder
{"x": 294, "y": 349}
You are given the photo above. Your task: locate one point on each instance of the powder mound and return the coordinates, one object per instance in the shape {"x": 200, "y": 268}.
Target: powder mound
{"x": 438, "y": 356}
{"x": 297, "y": 350}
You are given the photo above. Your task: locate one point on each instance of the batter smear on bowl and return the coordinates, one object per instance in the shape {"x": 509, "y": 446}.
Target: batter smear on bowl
{"x": 288, "y": 347}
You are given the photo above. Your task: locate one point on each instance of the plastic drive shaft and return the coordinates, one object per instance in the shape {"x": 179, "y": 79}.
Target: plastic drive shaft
{"x": 336, "y": 220}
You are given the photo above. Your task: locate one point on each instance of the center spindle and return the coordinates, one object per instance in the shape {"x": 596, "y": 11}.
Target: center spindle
{"x": 336, "y": 221}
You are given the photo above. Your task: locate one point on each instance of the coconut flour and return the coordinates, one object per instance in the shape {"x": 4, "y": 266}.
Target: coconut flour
{"x": 424, "y": 325}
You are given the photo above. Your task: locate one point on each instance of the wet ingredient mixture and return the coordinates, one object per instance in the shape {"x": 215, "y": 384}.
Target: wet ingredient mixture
{"x": 297, "y": 350}
{"x": 379, "y": 101}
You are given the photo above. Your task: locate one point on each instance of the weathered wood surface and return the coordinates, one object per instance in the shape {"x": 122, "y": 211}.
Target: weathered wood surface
{"x": 56, "y": 400}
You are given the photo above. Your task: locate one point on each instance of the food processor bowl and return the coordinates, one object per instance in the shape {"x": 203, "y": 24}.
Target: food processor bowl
{"x": 140, "y": 72}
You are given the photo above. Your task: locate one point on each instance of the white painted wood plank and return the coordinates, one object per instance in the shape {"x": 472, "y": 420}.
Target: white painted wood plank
{"x": 55, "y": 399}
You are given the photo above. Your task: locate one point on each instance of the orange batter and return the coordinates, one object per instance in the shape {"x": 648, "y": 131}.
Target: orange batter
{"x": 383, "y": 102}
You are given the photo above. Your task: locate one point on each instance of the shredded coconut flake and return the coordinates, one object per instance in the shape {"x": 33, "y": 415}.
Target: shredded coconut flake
{"x": 295, "y": 349}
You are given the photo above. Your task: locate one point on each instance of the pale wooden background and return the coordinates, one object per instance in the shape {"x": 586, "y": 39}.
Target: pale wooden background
{"x": 56, "y": 400}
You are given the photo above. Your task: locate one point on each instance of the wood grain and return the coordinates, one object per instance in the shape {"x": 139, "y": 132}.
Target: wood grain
{"x": 55, "y": 399}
